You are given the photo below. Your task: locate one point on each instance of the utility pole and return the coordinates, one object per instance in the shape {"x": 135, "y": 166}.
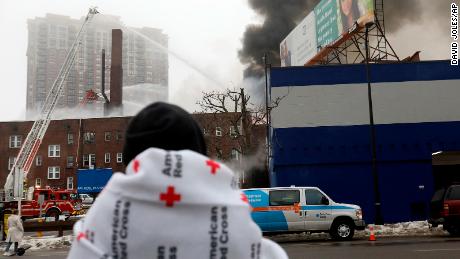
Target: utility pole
{"x": 378, "y": 205}
{"x": 267, "y": 114}
{"x": 244, "y": 117}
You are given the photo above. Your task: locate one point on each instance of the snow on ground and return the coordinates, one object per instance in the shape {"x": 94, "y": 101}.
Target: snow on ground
{"x": 48, "y": 242}
{"x": 416, "y": 228}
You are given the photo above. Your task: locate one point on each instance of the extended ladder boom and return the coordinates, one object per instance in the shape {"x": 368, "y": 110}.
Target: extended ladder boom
{"x": 37, "y": 132}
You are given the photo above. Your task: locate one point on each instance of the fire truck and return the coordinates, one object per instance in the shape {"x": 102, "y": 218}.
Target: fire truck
{"x": 46, "y": 202}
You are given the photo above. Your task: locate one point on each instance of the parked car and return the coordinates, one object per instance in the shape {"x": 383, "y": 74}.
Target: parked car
{"x": 445, "y": 209}
{"x": 86, "y": 198}
{"x": 303, "y": 209}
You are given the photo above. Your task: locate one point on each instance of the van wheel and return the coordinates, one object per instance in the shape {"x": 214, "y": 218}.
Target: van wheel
{"x": 53, "y": 213}
{"x": 342, "y": 229}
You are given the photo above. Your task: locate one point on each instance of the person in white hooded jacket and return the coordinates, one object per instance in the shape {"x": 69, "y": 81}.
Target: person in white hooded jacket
{"x": 15, "y": 233}
{"x": 172, "y": 202}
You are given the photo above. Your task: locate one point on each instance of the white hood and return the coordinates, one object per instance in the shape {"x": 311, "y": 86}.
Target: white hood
{"x": 176, "y": 204}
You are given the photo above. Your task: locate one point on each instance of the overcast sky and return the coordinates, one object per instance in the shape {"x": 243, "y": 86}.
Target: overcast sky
{"x": 206, "y": 33}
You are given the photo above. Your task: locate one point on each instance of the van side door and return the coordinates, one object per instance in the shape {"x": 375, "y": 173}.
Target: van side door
{"x": 287, "y": 205}
{"x": 318, "y": 214}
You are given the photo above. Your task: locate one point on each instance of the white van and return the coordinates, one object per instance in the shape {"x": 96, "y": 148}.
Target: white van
{"x": 303, "y": 209}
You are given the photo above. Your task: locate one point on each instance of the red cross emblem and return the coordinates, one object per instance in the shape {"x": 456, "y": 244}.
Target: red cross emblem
{"x": 170, "y": 196}
{"x": 214, "y": 166}
{"x": 244, "y": 198}
{"x": 136, "y": 165}
{"x": 80, "y": 236}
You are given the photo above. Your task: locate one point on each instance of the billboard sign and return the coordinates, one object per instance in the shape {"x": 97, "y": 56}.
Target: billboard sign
{"x": 329, "y": 21}
{"x": 300, "y": 44}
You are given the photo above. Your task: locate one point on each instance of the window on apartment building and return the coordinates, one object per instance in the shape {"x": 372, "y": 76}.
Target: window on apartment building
{"x": 15, "y": 141}
{"x": 119, "y": 135}
{"x": 107, "y": 135}
{"x": 11, "y": 161}
{"x": 89, "y": 160}
{"x": 85, "y": 162}
{"x": 38, "y": 182}
{"x": 69, "y": 183}
{"x": 38, "y": 160}
{"x": 107, "y": 158}
{"x": 69, "y": 138}
{"x": 89, "y": 137}
{"x": 70, "y": 161}
{"x": 218, "y": 131}
{"x": 219, "y": 154}
{"x": 54, "y": 172}
{"x": 54, "y": 151}
{"x": 92, "y": 160}
{"x": 233, "y": 132}
{"x": 235, "y": 155}
{"x": 119, "y": 157}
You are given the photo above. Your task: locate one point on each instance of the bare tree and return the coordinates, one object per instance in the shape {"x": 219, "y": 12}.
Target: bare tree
{"x": 230, "y": 103}
{"x": 247, "y": 115}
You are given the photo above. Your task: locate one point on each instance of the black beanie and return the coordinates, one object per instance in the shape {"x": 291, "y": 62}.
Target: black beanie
{"x": 164, "y": 126}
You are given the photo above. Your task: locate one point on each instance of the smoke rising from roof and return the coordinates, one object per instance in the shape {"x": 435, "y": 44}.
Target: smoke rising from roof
{"x": 401, "y": 13}
{"x": 398, "y": 13}
{"x": 281, "y": 16}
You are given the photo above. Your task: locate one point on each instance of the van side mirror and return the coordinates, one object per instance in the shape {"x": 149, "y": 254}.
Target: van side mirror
{"x": 324, "y": 201}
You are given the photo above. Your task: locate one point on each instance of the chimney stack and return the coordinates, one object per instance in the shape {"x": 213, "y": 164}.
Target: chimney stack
{"x": 116, "y": 72}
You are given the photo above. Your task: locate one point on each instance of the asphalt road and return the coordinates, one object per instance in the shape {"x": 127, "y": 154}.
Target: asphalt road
{"x": 394, "y": 248}
{"x": 51, "y": 254}
{"x": 407, "y": 247}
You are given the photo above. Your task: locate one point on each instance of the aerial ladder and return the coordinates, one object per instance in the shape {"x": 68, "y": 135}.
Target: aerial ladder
{"x": 14, "y": 184}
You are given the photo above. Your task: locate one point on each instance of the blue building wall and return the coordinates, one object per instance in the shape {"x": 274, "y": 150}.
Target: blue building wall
{"x": 337, "y": 158}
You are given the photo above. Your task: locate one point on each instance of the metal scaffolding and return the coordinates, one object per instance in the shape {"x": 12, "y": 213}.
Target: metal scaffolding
{"x": 351, "y": 48}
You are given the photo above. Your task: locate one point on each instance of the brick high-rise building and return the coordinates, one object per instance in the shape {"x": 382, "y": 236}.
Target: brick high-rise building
{"x": 51, "y": 36}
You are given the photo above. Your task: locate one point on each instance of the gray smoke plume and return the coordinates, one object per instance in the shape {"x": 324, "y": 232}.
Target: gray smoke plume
{"x": 398, "y": 13}
{"x": 402, "y": 13}
{"x": 280, "y": 17}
